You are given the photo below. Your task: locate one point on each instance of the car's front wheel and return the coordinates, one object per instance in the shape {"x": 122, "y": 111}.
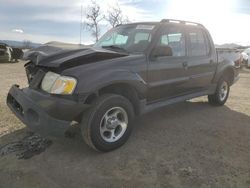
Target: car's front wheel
{"x": 221, "y": 94}
{"x": 107, "y": 125}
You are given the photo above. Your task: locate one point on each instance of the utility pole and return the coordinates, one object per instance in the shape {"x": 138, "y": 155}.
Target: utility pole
{"x": 81, "y": 27}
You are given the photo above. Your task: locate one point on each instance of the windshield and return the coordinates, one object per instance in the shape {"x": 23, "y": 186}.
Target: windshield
{"x": 133, "y": 38}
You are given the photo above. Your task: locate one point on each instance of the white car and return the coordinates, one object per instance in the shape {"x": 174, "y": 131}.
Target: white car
{"x": 9, "y": 52}
{"x": 245, "y": 55}
{"x": 248, "y": 63}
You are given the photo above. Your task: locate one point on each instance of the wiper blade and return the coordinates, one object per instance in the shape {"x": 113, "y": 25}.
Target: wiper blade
{"x": 115, "y": 47}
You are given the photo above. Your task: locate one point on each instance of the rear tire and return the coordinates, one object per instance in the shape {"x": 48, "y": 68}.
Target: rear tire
{"x": 221, "y": 94}
{"x": 107, "y": 124}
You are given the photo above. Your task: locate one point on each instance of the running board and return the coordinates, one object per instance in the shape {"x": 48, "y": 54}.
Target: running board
{"x": 145, "y": 108}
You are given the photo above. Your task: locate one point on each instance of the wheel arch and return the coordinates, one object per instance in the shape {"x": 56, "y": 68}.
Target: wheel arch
{"x": 125, "y": 89}
{"x": 228, "y": 73}
{"x": 225, "y": 68}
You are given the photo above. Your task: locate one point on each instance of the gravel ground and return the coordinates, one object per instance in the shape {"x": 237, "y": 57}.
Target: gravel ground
{"x": 189, "y": 144}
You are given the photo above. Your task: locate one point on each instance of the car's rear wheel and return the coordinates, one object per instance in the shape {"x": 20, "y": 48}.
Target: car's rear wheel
{"x": 221, "y": 94}
{"x": 107, "y": 125}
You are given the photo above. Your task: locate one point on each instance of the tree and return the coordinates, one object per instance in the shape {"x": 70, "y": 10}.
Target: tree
{"x": 94, "y": 17}
{"x": 116, "y": 17}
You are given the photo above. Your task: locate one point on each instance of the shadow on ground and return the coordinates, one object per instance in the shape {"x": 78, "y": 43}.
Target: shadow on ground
{"x": 190, "y": 144}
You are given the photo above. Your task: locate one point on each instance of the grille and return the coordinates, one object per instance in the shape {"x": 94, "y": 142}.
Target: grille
{"x": 31, "y": 71}
{"x": 34, "y": 74}
{"x": 15, "y": 105}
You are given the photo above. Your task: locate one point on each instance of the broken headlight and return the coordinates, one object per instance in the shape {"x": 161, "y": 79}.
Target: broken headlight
{"x": 56, "y": 84}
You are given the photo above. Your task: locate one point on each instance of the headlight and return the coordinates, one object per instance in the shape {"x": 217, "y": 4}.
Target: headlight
{"x": 57, "y": 84}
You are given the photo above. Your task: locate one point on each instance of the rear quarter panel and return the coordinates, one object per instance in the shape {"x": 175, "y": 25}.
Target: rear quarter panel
{"x": 225, "y": 61}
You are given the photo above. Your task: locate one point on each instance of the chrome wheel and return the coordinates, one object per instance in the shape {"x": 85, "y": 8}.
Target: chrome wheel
{"x": 223, "y": 91}
{"x": 113, "y": 124}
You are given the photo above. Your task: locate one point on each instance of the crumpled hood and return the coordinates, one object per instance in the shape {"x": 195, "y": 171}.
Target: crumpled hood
{"x": 58, "y": 58}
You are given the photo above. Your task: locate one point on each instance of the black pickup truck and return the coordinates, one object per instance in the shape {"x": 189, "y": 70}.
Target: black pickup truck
{"x": 133, "y": 69}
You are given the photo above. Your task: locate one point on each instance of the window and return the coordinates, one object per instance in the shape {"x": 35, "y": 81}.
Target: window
{"x": 116, "y": 39}
{"x": 198, "y": 44}
{"x": 174, "y": 39}
{"x": 121, "y": 39}
{"x": 142, "y": 37}
{"x": 131, "y": 38}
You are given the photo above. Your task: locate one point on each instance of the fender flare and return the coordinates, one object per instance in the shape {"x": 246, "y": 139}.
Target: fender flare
{"x": 97, "y": 82}
{"x": 225, "y": 65}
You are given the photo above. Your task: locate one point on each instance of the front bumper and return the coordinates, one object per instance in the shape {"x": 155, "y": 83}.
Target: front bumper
{"x": 43, "y": 113}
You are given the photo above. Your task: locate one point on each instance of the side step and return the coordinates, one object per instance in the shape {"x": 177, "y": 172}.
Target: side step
{"x": 145, "y": 108}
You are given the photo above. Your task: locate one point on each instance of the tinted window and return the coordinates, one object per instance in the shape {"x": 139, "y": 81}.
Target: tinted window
{"x": 141, "y": 37}
{"x": 116, "y": 39}
{"x": 132, "y": 38}
{"x": 174, "y": 39}
{"x": 198, "y": 44}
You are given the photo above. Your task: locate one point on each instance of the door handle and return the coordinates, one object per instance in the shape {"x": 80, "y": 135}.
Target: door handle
{"x": 185, "y": 64}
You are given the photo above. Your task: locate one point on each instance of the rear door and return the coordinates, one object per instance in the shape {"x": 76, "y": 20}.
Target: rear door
{"x": 201, "y": 63}
{"x": 167, "y": 74}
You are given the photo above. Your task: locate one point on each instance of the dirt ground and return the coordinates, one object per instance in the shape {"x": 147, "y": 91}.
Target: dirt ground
{"x": 190, "y": 144}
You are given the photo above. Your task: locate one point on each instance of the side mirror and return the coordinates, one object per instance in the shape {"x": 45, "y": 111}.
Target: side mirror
{"x": 162, "y": 51}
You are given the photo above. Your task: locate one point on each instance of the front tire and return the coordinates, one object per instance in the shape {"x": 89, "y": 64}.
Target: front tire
{"x": 107, "y": 125}
{"x": 221, "y": 94}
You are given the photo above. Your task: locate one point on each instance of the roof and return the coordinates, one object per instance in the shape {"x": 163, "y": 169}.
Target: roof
{"x": 183, "y": 22}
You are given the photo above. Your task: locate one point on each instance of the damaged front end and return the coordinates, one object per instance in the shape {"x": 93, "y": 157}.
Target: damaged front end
{"x": 43, "y": 112}
{"x": 34, "y": 74}
{"x": 49, "y": 104}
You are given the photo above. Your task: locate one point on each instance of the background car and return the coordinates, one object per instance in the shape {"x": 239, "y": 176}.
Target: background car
{"x": 248, "y": 63}
{"x": 16, "y": 54}
{"x": 245, "y": 54}
{"x": 4, "y": 53}
{"x": 9, "y": 54}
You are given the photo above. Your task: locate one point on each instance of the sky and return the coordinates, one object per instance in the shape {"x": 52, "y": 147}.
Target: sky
{"x": 59, "y": 20}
